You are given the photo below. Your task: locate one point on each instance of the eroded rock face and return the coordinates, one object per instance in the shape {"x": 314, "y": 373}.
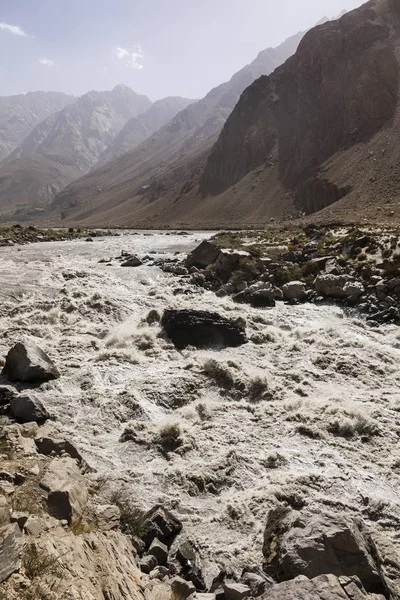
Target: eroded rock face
{"x": 10, "y": 548}
{"x": 201, "y": 329}
{"x": 27, "y": 363}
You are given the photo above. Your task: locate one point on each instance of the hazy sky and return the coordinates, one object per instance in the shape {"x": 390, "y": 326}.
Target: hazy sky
{"x": 156, "y": 47}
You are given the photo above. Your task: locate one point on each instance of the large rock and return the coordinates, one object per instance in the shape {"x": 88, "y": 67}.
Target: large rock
{"x": 67, "y": 490}
{"x": 229, "y": 261}
{"x": 133, "y": 261}
{"x": 324, "y": 587}
{"x": 294, "y": 291}
{"x": 204, "y": 255}
{"x": 259, "y": 295}
{"x": 338, "y": 286}
{"x": 26, "y": 362}
{"x": 314, "y": 544}
{"x": 10, "y": 549}
{"x": 27, "y": 408}
{"x": 160, "y": 523}
{"x": 201, "y": 329}
{"x": 57, "y": 446}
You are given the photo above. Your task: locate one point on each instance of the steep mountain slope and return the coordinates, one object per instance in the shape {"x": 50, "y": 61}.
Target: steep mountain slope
{"x": 324, "y": 126}
{"x": 20, "y": 114}
{"x": 140, "y": 128}
{"x": 65, "y": 146}
{"x": 129, "y": 189}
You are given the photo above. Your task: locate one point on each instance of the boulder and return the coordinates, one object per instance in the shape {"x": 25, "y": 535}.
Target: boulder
{"x": 338, "y": 286}
{"x": 148, "y": 563}
{"x": 4, "y": 511}
{"x": 159, "y": 551}
{"x": 10, "y": 549}
{"x": 204, "y": 255}
{"x": 67, "y": 490}
{"x": 58, "y": 446}
{"x": 133, "y": 261}
{"x": 314, "y": 544}
{"x": 108, "y": 517}
{"x": 181, "y": 589}
{"x": 27, "y": 408}
{"x": 28, "y": 363}
{"x": 236, "y": 591}
{"x": 294, "y": 291}
{"x": 229, "y": 261}
{"x": 324, "y": 587}
{"x": 201, "y": 329}
{"x": 259, "y": 295}
{"x": 160, "y": 523}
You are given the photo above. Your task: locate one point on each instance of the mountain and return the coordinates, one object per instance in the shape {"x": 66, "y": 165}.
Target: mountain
{"x": 140, "y": 128}
{"x": 318, "y": 136}
{"x": 65, "y": 146}
{"x": 136, "y": 186}
{"x": 20, "y": 114}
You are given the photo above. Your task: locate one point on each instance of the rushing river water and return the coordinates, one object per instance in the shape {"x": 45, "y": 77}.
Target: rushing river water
{"x": 320, "y": 369}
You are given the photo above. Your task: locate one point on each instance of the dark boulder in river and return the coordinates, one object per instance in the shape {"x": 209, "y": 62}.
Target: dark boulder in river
{"x": 28, "y": 363}
{"x": 201, "y": 329}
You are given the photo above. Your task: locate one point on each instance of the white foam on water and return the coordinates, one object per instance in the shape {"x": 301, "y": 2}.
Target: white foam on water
{"x": 320, "y": 365}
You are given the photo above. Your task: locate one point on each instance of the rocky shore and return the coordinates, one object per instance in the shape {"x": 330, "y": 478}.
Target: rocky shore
{"x": 19, "y": 235}
{"x": 348, "y": 266}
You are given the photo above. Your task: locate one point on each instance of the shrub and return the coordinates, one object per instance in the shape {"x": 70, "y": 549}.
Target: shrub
{"x": 202, "y": 411}
{"x": 257, "y": 388}
{"x": 169, "y": 438}
{"x": 153, "y": 317}
{"x": 308, "y": 431}
{"x": 131, "y": 515}
{"x": 220, "y": 373}
{"x": 37, "y": 562}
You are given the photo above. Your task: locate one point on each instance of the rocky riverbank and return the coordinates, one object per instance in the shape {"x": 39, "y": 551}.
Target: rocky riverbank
{"x": 349, "y": 266}
{"x": 19, "y": 235}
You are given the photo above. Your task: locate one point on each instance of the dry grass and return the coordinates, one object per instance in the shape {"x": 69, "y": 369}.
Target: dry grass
{"x": 131, "y": 515}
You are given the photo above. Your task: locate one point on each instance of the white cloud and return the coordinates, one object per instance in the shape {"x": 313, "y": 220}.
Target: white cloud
{"x": 131, "y": 58}
{"x": 47, "y": 62}
{"x": 14, "y": 29}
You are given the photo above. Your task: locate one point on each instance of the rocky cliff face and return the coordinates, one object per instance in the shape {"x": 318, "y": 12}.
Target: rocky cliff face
{"x": 142, "y": 127}
{"x": 19, "y": 115}
{"x": 65, "y": 146}
{"x": 339, "y": 90}
{"x": 168, "y": 161}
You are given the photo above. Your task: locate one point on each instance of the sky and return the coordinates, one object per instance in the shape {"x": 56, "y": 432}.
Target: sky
{"x": 157, "y": 47}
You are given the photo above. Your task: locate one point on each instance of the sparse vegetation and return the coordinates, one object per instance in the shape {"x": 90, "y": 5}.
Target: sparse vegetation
{"x": 220, "y": 373}
{"x": 169, "y": 437}
{"x": 258, "y": 388}
{"x": 132, "y": 519}
{"x": 38, "y": 563}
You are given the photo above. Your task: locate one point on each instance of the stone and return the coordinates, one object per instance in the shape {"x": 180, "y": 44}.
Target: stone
{"x": 27, "y": 363}
{"x": 28, "y": 408}
{"x": 160, "y": 523}
{"x": 256, "y": 583}
{"x": 201, "y": 329}
{"x": 67, "y": 490}
{"x": 4, "y": 511}
{"x": 294, "y": 291}
{"x": 314, "y": 544}
{"x": 58, "y": 446}
{"x": 229, "y": 261}
{"x": 259, "y": 295}
{"x": 159, "y": 573}
{"x": 20, "y": 518}
{"x": 332, "y": 267}
{"x": 204, "y": 255}
{"x": 204, "y": 596}
{"x": 159, "y": 551}
{"x": 338, "y": 286}
{"x": 10, "y": 549}
{"x": 148, "y": 563}
{"x": 133, "y": 261}
{"x": 29, "y": 430}
{"x": 108, "y": 517}
{"x": 236, "y": 591}
{"x": 182, "y": 589}
{"x": 7, "y": 393}
{"x": 323, "y": 587}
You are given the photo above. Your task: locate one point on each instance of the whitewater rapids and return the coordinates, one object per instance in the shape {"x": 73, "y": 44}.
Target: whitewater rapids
{"x": 317, "y": 363}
